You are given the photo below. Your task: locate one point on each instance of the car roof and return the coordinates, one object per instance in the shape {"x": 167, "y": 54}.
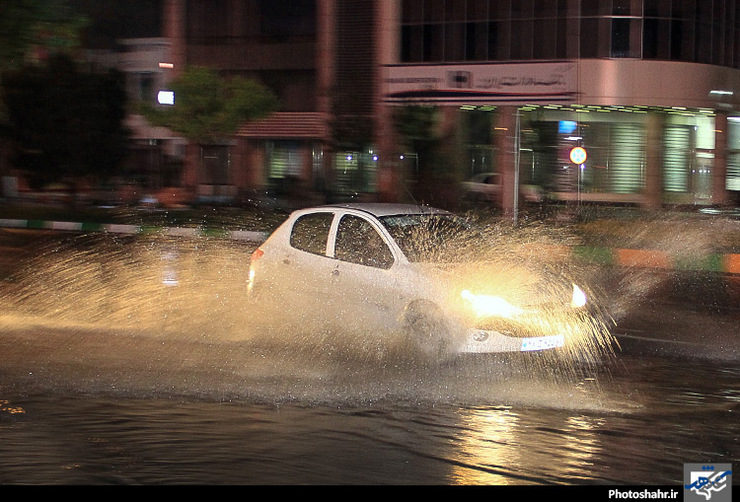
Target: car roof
{"x": 380, "y": 209}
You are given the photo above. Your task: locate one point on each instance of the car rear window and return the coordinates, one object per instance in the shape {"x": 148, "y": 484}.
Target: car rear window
{"x": 310, "y": 232}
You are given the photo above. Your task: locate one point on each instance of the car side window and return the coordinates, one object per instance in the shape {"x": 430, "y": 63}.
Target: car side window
{"x": 358, "y": 242}
{"x": 310, "y": 232}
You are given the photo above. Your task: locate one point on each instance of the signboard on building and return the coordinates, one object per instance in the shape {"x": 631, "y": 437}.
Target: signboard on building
{"x": 494, "y": 84}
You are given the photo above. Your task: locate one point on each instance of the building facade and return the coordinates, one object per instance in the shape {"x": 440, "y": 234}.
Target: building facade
{"x": 648, "y": 90}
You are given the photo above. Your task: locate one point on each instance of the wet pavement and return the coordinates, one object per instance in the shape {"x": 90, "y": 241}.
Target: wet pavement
{"x": 89, "y": 395}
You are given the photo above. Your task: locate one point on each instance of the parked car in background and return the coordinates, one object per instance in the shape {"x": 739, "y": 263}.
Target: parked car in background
{"x": 486, "y": 188}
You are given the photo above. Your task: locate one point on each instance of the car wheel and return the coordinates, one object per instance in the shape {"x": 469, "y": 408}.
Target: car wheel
{"x": 426, "y": 330}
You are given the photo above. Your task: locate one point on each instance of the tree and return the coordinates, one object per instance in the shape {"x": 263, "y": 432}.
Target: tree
{"x": 66, "y": 123}
{"x": 34, "y": 29}
{"x": 208, "y": 107}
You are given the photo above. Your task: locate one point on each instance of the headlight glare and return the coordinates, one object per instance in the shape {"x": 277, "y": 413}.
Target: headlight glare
{"x": 486, "y": 305}
{"x": 579, "y": 298}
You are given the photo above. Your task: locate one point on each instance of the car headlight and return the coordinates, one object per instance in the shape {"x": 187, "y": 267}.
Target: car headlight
{"x": 579, "y": 298}
{"x": 488, "y": 306}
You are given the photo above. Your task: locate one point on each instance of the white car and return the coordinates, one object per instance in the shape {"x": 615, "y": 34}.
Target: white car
{"x": 486, "y": 187}
{"x": 401, "y": 272}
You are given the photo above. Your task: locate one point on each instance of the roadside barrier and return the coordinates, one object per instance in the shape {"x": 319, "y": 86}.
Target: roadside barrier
{"x": 115, "y": 228}
{"x": 647, "y": 258}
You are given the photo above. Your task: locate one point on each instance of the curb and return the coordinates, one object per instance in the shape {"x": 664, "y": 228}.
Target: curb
{"x": 240, "y": 235}
{"x": 728, "y": 263}
{"x": 647, "y": 258}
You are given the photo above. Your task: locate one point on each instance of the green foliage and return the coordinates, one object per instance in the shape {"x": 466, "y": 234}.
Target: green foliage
{"x": 41, "y": 26}
{"x": 65, "y": 123}
{"x": 418, "y": 131}
{"x": 34, "y": 29}
{"x": 417, "y": 126}
{"x": 208, "y": 106}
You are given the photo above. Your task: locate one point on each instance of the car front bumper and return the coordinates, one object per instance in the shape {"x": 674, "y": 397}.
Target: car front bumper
{"x": 479, "y": 341}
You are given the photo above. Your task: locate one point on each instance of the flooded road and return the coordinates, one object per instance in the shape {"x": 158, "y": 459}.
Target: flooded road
{"x": 105, "y": 378}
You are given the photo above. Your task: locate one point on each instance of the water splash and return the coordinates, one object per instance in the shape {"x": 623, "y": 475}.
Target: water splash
{"x": 157, "y": 314}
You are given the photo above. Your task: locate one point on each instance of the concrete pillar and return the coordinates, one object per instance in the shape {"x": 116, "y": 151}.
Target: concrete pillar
{"x": 174, "y": 31}
{"x": 719, "y": 170}
{"x": 239, "y": 165}
{"x": 390, "y": 168}
{"x": 653, "y": 192}
{"x": 325, "y": 55}
{"x": 190, "y": 174}
{"x": 505, "y": 140}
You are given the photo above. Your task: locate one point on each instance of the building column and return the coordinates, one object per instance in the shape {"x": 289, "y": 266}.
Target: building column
{"x": 653, "y": 192}
{"x": 390, "y": 175}
{"x": 719, "y": 170}
{"x": 238, "y": 167}
{"x": 174, "y": 31}
{"x": 505, "y": 140}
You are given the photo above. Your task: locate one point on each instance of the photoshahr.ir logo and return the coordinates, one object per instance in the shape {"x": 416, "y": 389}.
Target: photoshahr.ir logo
{"x": 707, "y": 482}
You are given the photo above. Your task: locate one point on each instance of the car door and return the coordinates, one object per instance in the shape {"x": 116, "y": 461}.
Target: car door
{"x": 363, "y": 280}
{"x": 305, "y": 267}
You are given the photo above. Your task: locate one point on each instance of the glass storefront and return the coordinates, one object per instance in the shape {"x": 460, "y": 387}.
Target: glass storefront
{"x": 283, "y": 163}
{"x": 355, "y": 173}
{"x": 614, "y": 138}
{"x": 733, "y": 155}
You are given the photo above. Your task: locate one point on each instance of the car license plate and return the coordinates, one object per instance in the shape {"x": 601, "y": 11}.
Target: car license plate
{"x": 543, "y": 343}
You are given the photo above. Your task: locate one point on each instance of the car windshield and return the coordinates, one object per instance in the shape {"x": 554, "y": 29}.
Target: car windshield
{"x": 430, "y": 238}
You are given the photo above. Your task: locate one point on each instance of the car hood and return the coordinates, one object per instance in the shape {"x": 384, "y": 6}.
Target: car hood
{"x": 517, "y": 284}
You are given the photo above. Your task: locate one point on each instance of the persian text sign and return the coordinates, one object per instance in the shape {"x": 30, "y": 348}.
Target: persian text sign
{"x": 481, "y": 83}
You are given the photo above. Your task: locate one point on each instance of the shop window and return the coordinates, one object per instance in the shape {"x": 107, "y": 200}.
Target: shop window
{"x": 627, "y": 155}
{"x": 284, "y": 161}
{"x": 733, "y": 154}
{"x": 616, "y": 153}
{"x": 355, "y": 173}
{"x": 676, "y": 158}
{"x": 733, "y": 171}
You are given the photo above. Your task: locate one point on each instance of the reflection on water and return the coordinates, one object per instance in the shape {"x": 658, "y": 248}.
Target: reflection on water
{"x": 59, "y": 433}
{"x": 133, "y": 362}
{"x": 491, "y": 451}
